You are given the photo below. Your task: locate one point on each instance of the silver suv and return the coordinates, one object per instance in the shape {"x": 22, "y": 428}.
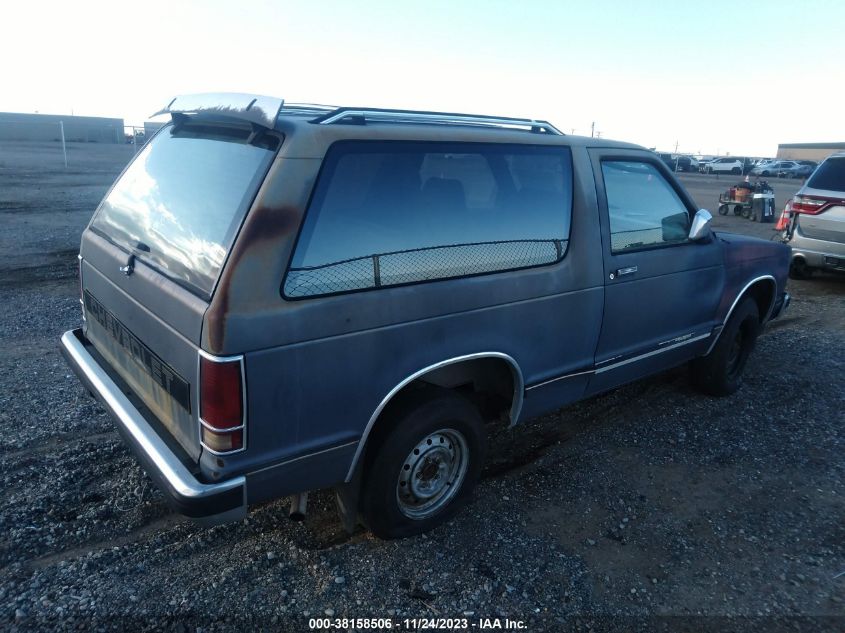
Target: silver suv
{"x": 725, "y": 165}
{"x": 817, "y": 229}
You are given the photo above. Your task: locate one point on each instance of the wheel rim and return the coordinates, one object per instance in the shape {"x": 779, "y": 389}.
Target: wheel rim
{"x": 432, "y": 473}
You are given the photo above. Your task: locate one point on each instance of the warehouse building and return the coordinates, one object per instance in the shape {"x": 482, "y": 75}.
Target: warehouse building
{"x": 16, "y": 126}
{"x": 808, "y": 151}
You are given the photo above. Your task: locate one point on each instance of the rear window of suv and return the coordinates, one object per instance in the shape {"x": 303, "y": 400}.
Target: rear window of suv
{"x": 181, "y": 201}
{"x": 829, "y": 175}
{"x": 393, "y": 213}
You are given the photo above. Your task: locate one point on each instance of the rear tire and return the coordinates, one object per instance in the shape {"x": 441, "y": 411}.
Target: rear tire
{"x": 720, "y": 372}
{"x": 798, "y": 269}
{"x": 736, "y": 171}
{"x": 424, "y": 468}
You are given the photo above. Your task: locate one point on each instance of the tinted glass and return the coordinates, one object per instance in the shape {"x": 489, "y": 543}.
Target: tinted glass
{"x": 643, "y": 207}
{"x": 181, "y": 201}
{"x": 829, "y": 175}
{"x": 393, "y": 213}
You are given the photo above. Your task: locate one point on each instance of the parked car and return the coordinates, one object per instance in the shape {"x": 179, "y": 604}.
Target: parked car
{"x": 817, "y": 227}
{"x": 777, "y": 168}
{"x": 677, "y": 162}
{"x": 725, "y": 165}
{"x": 693, "y": 163}
{"x": 702, "y": 164}
{"x": 801, "y": 171}
{"x": 279, "y": 299}
{"x": 805, "y": 168}
{"x": 758, "y": 165}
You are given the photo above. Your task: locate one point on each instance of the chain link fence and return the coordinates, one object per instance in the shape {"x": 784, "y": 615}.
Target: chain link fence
{"x": 19, "y": 129}
{"x": 50, "y": 129}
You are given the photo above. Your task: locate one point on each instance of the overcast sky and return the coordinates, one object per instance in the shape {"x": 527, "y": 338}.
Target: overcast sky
{"x": 729, "y": 77}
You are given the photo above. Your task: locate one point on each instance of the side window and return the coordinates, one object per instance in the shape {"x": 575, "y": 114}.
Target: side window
{"x": 643, "y": 207}
{"x": 391, "y": 213}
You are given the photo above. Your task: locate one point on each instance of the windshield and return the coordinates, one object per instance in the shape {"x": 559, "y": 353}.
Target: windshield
{"x": 181, "y": 201}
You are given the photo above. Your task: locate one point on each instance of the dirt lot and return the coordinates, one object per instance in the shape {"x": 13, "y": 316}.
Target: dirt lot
{"x": 649, "y": 508}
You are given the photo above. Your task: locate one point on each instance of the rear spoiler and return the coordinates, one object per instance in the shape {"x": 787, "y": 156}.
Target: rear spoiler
{"x": 256, "y": 109}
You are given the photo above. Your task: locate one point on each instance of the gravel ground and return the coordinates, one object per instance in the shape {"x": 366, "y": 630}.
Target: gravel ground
{"x": 648, "y": 508}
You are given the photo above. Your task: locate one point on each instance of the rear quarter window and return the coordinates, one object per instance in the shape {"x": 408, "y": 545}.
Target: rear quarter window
{"x": 829, "y": 175}
{"x": 393, "y": 213}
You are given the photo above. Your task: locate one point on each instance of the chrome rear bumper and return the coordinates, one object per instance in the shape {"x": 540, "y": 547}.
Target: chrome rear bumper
{"x": 207, "y": 503}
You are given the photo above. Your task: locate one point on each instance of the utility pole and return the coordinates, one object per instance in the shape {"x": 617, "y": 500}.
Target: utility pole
{"x": 64, "y": 149}
{"x": 593, "y": 129}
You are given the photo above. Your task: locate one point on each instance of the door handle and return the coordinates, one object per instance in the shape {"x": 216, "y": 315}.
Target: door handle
{"x": 629, "y": 270}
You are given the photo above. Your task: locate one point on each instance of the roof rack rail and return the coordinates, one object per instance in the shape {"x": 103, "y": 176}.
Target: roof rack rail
{"x": 360, "y": 116}
{"x": 307, "y": 108}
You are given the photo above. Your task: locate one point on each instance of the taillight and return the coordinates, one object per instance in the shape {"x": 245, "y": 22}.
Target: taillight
{"x": 222, "y": 442}
{"x": 222, "y": 420}
{"x": 813, "y": 205}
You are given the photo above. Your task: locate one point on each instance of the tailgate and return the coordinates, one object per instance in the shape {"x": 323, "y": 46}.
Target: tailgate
{"x": 148, "y": 329}
{"x": 829, "y": 225}
{"x": 152, "y": 254}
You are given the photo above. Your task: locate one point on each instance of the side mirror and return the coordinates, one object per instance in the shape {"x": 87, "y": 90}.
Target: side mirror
{"x": 700, "y": 228}
{"x": 674, "y": 227}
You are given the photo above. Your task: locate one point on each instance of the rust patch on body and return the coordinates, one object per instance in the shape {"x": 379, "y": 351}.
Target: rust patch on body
{"x": 257, "y": 249}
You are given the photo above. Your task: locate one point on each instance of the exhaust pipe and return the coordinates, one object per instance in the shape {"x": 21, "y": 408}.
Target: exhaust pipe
{"x": 298, "y": 505}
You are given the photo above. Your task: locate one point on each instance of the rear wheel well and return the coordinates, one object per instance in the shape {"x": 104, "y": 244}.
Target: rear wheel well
{"x": 763, "y": 293}
{"x": 492, "y": 384}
